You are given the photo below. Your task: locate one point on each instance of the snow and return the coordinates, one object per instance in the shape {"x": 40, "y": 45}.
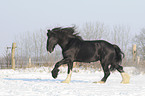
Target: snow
{"x": 39, "y": 82}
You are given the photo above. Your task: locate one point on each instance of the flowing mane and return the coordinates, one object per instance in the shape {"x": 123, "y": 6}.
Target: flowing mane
{"x": 69, "y": 31}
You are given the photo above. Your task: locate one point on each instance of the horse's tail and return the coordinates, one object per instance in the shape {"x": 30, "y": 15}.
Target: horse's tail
{"x": 119, "y": 56}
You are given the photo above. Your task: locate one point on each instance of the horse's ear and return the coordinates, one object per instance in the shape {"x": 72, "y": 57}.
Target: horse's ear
{"x": 48, "y": 30}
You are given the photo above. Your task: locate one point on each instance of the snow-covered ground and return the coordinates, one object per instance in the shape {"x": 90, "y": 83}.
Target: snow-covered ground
{"x": 38, "y": 82}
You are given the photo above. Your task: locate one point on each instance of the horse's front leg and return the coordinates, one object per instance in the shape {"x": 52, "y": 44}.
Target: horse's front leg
{"x": 68, "y": 78}
{"x": 58, "y": 64}
{"x": 55, "y": 69}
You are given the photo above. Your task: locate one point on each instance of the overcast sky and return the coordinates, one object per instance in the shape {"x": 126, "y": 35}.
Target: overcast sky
{"x": 20, "y": 16}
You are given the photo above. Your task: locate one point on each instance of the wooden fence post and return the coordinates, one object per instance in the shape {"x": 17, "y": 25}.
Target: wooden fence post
{"x": 134, "y": 52}
{"x": 138, "y": 59}
{"x": 29, "y": 64}
{"x": 13, "y": 55}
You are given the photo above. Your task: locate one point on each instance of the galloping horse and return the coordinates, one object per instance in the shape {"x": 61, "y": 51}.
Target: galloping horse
{"x": 75, "y": 49}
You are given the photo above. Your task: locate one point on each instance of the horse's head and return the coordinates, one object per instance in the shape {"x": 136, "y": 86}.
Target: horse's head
{"x": 60, "y": 36}
{"x": 52, "y": 40}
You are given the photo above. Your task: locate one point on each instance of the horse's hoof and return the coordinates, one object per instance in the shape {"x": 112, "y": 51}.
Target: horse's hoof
{"x": 55, "y": 73}
{"x": 124, "y": 82}
{"x": 65, "y": 81}
{"x": 101, "y": 82}
{"x": 125, "y": 78}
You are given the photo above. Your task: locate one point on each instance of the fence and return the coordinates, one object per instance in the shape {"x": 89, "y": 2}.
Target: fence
{"x": 25, "y": 64}
{"x": 95, "y": 65}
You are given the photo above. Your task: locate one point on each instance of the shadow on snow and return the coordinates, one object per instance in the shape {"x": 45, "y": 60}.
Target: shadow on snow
{"x": 44, "y": 80}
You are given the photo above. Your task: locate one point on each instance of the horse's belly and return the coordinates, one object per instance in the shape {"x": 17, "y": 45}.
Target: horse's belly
{"x": 87, "y": 58}
{"x": 87, "y": 53}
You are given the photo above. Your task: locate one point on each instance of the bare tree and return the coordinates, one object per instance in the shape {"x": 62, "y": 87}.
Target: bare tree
{"x": 6, "y": 60}
{"x": 39, "y": 40}
{"x": 33, "y": 45}
{"x": 94, "y": 31}
{"x": 121, "y": 37}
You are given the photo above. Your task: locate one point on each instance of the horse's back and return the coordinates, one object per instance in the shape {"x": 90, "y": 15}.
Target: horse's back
{"x": 93, "y": 50}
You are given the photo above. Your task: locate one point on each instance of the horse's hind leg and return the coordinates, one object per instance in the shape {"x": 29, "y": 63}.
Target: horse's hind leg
{"x": 125, "y": 76}
{"x": 106, "y": 73}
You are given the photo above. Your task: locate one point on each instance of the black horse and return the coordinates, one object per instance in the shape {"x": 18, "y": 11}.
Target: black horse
{"x": 75, "y": 49}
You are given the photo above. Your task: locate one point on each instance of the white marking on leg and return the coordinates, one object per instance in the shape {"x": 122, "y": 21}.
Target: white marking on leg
{"x": 68, "y": 79}
{"x": 125, "y": 78}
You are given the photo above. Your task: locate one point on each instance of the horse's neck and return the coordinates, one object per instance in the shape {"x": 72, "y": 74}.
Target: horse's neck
{"x": 63, "y": 43}
{"x": 66, "y": 43}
